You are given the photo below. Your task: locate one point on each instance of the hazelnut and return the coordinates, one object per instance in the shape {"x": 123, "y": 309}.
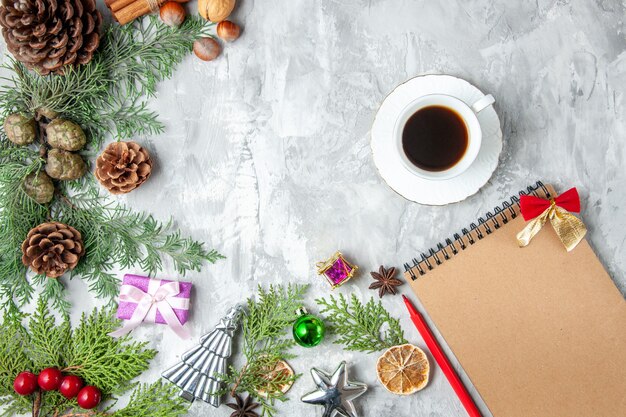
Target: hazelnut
{"x": 228, "y": 30}
{"x": 172, "y": 13}
{"x": 207, "y": 49}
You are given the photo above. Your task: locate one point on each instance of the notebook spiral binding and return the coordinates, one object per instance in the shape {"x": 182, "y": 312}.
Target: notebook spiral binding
{"x": 459, "y": 242}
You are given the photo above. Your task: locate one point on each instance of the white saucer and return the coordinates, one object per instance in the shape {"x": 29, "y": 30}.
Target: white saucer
{"x": 409, "y": 185}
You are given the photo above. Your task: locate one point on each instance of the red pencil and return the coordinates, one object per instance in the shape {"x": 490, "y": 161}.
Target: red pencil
{"x": 442, "y": 360}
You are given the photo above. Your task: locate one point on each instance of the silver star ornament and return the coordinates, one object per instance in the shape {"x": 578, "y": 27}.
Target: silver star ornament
{"x": 335, "y": 392}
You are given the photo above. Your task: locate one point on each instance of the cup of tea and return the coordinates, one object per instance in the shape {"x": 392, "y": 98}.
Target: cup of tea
{"x": 438, "y": 136}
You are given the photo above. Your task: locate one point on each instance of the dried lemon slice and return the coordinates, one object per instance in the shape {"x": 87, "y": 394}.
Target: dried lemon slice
{"x": 281, "y": 370}
{"x": 403, "y": 369}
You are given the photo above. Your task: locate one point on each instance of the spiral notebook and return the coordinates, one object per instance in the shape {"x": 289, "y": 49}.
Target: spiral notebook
{"x": 539, "y": 331}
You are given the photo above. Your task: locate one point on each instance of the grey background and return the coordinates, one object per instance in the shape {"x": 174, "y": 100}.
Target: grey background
{"x": 266, "y": 155}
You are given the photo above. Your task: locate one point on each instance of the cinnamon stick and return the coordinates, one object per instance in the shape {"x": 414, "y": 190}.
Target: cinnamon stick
{"x": 125, "y": 11}
{"x": 116, "y": 5}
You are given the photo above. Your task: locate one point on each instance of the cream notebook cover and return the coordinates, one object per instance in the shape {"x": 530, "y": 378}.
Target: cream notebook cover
{"x": 539, "y": 331}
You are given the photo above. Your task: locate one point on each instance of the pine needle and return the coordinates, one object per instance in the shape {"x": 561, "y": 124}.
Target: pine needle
{"x": 107, "y": 97}
{"x": 361, "y": 327}
{"x": 264, "y": 327}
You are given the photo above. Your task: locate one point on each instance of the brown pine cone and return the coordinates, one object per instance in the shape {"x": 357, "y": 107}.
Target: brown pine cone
{"x": 52, "y": 248}
{"x": 46, "y": 35}
{"x": 123, "y": 166}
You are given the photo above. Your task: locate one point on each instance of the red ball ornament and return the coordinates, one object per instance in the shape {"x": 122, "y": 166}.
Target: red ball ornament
{"x": 89, "y": 397}
{"x": 25, "y": 383}
{"x": 49, "y": 379}
{"x": 70, "y": 386}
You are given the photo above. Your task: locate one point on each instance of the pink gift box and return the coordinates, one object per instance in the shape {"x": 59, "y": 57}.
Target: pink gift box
{"x": 126, "y": 309}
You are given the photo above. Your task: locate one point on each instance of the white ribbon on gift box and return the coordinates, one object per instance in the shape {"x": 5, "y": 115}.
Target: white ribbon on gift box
{"x": 161, "y": 298}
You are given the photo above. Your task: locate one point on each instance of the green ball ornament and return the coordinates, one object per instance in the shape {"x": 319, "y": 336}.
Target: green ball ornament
{"x": 308, "y": 330}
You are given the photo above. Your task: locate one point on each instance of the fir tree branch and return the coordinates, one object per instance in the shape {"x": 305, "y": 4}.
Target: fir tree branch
{"x": 87, "y": 351}
{"x": 115, "y": 235}
{"x": 18, "y": 214}
{"x": 147, "y": 401}
{"x": 264, "y": 343}
{"x": 361, "y": 327}
{"x": 105, "y": 95}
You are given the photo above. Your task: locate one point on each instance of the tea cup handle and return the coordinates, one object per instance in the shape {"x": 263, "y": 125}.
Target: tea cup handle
{"x": 482, "y": 103}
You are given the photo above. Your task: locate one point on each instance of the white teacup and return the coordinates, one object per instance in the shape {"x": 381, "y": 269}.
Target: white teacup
{"x": 466, "y": 113}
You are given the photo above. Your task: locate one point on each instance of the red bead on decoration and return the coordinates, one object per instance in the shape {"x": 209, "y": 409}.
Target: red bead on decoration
{"x": 70, "y": 386}
{"x": 89, "y": 397}
{"x": 25, "y": 383}
{"x": 49, "y": 379}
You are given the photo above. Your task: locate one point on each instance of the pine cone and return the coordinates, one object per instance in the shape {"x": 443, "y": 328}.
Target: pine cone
{"x": 52, "y": 248}
{"x": 65, "y": 166}
{"x": 66, "y": 135}
{"x": 39, "y": 187}
{"x": 20, "y": 129}
{"x": 46, "y": 35}
{"x": 123, "y": 166}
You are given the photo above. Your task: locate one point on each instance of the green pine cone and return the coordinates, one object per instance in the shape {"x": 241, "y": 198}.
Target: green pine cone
{"x": 66, "y": 135}
{"x": 20, "y": 129}
{"x": 39, "y": 187}
{"x": 47, "y": 112}
{"x": 66, "y": 166}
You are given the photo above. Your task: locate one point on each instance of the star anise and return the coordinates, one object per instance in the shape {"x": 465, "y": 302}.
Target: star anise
{"x": 384, "y": 282}
{"x": 243, "y": 408}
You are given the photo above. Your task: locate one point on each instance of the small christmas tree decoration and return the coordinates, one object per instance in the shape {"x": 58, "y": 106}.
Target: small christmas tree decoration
{"x": 335, "y": 392}
{"x": 337, "y": 270}
{"x": 123, "y": 166}
{"x": 385, "y": 281}
{"x": 46, "y": 35}
{"x": 64, "y": 165}
{"x": 20, "y": 129}
{"x": 202, "y": 370}
{"x": 25, "y": 383}
{"x": 52, "y": 248}
{"x": 39, "y": 187}
{"x": 66, "y": 135}
{"x": 308, "y": 330}
{"x": 49, "y": 379}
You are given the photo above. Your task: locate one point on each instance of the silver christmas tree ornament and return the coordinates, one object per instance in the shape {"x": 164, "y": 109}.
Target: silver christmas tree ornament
{"x": 201, "y": 371}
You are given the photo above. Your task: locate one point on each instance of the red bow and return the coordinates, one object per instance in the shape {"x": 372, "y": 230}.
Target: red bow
{"x": 532, "y": 206}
